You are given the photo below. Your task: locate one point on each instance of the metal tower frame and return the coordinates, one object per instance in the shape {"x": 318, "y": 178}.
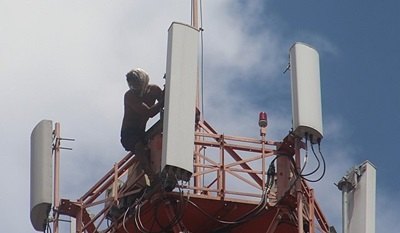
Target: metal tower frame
{"x": 228, "y": 182}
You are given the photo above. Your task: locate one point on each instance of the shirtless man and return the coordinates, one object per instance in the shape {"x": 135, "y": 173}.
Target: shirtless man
{"x": 139, "y": 105}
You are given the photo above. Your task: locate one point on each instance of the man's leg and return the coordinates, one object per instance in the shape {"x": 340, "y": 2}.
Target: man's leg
{"x": 134, "y": 175}
{"x": 143, "y": 156}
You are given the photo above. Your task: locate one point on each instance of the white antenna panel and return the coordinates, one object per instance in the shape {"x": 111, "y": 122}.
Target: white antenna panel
{"x": 306, "y": 91}
{"x": 180, "y": 101}
{"x": 361, "y": 209}
{"x": 41, "y": 173}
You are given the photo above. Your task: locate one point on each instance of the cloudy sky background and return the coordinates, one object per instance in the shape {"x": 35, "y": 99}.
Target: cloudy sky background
{"x": 66, "y": 60}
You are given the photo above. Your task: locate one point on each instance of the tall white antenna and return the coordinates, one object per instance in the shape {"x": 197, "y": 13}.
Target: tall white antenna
{"x": 306, "y": 92}
{"x": 180, "y": 102}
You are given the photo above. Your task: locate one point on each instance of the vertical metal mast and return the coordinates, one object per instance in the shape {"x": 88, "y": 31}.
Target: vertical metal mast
{"x": 195, "y": 24}
{"x": 299, "y": 192}
{"x": 56, "y": 175}
{"x": 195, "y": 14}
{"x": 345, "y": 186}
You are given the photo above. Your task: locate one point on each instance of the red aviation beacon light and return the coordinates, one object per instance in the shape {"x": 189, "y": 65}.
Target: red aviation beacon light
{"x": 262, "y": 120}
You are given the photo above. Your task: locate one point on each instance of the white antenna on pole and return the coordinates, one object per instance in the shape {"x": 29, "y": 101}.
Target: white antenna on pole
{"x": 180, "y": 102}
{"x": 306, "y": 92}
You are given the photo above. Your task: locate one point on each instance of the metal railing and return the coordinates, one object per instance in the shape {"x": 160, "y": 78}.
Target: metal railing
{"x": 225, "y": 168}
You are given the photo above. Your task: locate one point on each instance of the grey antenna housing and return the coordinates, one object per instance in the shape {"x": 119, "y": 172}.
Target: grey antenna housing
{"x": 41, "y": 174}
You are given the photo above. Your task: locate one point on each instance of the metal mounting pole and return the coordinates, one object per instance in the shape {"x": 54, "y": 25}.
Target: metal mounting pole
{"x": 345, "y": 186}
{"x": 195, "y": 14}
{"x": 195, "y": 24}
{"x": 56, "y": 175}
{"x": 263, "y": 133}
{"x": 298, "y": 187}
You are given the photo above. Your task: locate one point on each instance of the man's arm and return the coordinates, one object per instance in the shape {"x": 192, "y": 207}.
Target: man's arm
{"x": 157, "y": 94}
{"x": 153, "y": 110}
{"x": 142, "y": 108}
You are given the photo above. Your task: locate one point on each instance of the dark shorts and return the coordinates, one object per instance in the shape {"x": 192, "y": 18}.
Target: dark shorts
{"x": 130, "y": 137}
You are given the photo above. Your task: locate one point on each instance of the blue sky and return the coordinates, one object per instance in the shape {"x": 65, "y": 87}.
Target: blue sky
{"x": 359, "y": 80}
{"x": 66, "y": 62}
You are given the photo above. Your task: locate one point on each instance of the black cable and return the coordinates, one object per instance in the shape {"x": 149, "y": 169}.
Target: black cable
{"x": 179, "y": 207}
{"x": 316, "y": 157}
{"x": 156, "y": 220}
{"x": 324, "y": 168}
{"x": 244, "y": 218}
{"x": 173, "y": 221}
{"x": 260, "y": 207}
{"x": 322, "y": 156}
{"x": 293, "y": 163}
{"x": 137, "y": 213}
{"x": 208, "y": 215}
{"x": 227, "y": 224}
{"x": 179, "y": 210}
{"x": 296, "y": 173}
{"x": 137, "y": 207}
{"x": 257, "y": 210}
{"x": 48, "y": 228}
{"x": 123, "y": 220}
{"x": 306, "y": 155}
{"x": 138, "y": 221}
{"x": 270, "y": 175}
